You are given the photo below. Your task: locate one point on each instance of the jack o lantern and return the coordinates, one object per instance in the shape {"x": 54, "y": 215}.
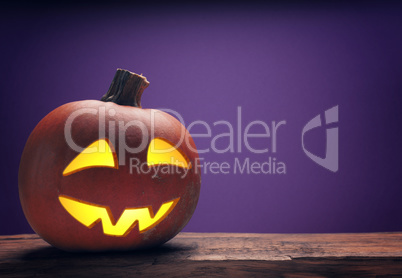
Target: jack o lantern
{"x": 109, "y": 175}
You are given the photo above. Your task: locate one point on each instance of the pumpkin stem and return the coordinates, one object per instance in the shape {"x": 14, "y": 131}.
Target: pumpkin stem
{"x": 126, "y": 88}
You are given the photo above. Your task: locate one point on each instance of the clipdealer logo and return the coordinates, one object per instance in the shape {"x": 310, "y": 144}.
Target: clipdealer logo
{"x": 331, "y": 159}
{"x": 219, "y": 137}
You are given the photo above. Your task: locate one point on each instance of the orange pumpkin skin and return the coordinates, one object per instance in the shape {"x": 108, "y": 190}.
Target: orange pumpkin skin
{"x": 47, "y": 154}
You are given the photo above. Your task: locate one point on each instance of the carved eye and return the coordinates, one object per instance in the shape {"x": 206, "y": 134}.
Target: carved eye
{"x": 160, "y": 151}
{"x": 99, "y": 154}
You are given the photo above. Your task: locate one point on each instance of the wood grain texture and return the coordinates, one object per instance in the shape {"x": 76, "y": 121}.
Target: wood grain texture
{"x": 217, "y": 255}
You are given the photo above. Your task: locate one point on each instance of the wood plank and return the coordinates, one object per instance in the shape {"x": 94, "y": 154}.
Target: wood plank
{"x": 198, "y": 254}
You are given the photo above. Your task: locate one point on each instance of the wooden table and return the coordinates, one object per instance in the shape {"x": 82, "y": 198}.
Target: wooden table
{"x": 218, "y": 255}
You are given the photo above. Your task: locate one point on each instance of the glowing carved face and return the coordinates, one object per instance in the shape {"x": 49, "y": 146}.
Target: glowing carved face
{"x": 102, "y": 154}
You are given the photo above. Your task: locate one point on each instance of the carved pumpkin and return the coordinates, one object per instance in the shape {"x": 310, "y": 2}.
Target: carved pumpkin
{"x": 109, "y": 175}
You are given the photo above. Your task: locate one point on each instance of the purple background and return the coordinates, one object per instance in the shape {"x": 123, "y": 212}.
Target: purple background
{"x": 278, "y": 62}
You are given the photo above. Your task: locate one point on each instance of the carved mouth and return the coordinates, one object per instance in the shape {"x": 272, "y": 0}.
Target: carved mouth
{"x": 89, "y": 215}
